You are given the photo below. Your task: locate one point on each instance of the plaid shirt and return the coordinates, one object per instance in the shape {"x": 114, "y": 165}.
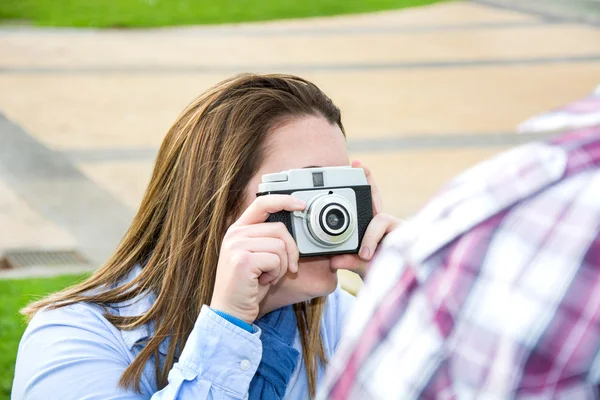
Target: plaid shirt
{"x": 491, "y": 292}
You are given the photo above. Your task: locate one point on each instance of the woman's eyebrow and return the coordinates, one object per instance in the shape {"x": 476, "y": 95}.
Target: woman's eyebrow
{"x": 313, "y": 166}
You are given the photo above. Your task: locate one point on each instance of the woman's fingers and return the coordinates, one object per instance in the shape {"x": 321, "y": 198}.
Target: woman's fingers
{"x": 260, "y": 209}
{"x": 254, "y": 254}
{"x": 276, "y": 230}
{"x": 266, "y": 245}
{"x": 380, "y": 225}
{"x": 376, "y": 196}
{"x": 268, "y": 267}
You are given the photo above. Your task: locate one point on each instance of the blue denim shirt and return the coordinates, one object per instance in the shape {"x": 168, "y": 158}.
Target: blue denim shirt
{"x": 75, "y": 353}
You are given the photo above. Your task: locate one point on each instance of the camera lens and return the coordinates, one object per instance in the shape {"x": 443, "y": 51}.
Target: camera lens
{"x": 335, "y": 219}
{"x": 330, "y": 220}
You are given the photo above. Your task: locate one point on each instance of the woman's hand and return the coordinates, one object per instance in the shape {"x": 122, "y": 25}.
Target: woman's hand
{"x": 254, "y": 255}
{"x": 380, "y": 225}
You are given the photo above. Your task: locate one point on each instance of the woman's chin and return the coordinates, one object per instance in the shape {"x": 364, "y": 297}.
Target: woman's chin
{"x": 316, "y": 283}
{"x": 320, "y": 288}
{"x": 326, "y": 286}
{"x": 314, "y": 279}
{"x": 316, "y": 276}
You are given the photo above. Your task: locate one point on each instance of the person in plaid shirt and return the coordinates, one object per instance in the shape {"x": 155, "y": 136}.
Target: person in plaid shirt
{"x": 491, "y": 292}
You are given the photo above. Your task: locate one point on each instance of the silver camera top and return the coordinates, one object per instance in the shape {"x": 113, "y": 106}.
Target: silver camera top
{"x": 313, "y": 178}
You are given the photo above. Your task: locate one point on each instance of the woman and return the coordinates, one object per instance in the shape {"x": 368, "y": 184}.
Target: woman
{"x": 203, "y": 298}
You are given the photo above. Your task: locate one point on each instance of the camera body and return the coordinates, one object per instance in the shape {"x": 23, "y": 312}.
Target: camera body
{"x": 339, "y": 208}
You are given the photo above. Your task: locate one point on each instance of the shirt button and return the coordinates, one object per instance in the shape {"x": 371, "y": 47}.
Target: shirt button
{"x": 244, "y": 365}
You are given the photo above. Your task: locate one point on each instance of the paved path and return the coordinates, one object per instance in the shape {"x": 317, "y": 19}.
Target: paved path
{"x": 425, "y": 92}
{"x": 584, "y": 11}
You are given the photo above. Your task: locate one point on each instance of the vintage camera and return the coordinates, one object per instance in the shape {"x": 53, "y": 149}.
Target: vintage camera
{"x": 339, "y": 208}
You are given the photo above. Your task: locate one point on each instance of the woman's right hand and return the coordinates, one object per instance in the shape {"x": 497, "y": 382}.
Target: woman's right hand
{"x": 254, "y": 255}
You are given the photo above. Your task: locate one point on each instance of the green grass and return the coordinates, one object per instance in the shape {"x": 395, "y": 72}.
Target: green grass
{"x": 148, "y": 13}
{"x": 14, "y": 295}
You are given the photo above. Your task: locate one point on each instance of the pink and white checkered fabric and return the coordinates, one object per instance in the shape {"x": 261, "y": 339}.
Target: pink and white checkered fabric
{"x": 491, "y": 292}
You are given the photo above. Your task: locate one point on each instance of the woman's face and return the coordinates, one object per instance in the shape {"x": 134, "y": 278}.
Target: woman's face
{"x": 308, "y": 141}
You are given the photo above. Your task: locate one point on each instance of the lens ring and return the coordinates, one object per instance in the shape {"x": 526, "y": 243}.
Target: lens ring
{"x": 339, "y": 213}
{"x": 316, "y": 225}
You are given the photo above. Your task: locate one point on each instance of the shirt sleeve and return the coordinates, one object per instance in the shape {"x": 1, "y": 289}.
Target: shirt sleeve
{"x": 236, "y": 321}
{"x": 74, "y": 353}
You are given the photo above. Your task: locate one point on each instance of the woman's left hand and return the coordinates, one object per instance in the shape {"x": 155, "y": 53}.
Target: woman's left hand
{"x": 380, "y": 225}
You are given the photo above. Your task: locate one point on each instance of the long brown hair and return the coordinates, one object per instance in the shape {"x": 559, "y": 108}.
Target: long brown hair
{"x": 199, "y": 180}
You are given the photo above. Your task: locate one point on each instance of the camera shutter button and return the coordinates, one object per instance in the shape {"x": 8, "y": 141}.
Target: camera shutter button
{"x": 276, "y": 177}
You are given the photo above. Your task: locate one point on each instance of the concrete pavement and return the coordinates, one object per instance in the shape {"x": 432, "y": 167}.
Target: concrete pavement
{"x": 425, "y": 93}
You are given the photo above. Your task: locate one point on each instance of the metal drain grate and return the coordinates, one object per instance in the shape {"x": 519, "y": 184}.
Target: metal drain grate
{"x": 13, "y": 259}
